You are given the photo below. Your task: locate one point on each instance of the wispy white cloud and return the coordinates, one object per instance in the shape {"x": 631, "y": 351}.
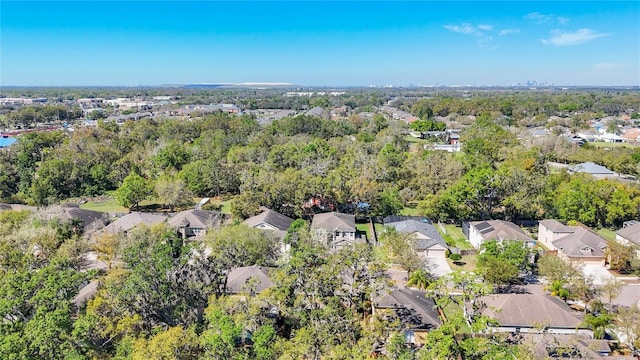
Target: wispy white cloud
{"x": 483, "y": 32}
{"x": 568, "y": 38}
{"x": 546, "y": 18}
{"x": 508, "y": 31}
{"x": 463, "y": 29}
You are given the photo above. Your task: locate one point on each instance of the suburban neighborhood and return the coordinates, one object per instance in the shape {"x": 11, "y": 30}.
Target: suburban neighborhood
{"x": 317, "y": 226}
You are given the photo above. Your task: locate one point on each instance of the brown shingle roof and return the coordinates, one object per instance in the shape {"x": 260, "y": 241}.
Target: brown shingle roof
{"x": 132, "y": 220}
{"x": 527, "y": 310}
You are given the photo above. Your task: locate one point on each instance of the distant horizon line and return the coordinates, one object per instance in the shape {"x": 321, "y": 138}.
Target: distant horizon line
{"x": 293, "y": 85}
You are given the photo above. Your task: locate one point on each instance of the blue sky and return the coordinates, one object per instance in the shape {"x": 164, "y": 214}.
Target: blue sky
{"x": 335, "y": 43}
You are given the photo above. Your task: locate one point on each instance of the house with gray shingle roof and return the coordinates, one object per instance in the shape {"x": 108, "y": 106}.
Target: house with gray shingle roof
{"x": 335, "y": 230}
{"x": 499, "y": 230}
{"x": 131, "y": 220}
{"x": 249, "y": 279}
{"x": 270, "y": 220}
{"x": 630, "y": 236}
{"x": 195, "y": 222}
{"x": 593, "y": 169}
{"x": 90, "y": 220}
{"x": 576, "y": 243}
{"x": 415, "y": 311}
{"x": 429, "y": 242}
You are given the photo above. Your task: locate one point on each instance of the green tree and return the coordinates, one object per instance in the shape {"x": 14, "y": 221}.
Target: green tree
{"x": 400, "y": 249}
{"x": 133, "y": 190}
{"x": 173, "y": 192}
{"x": 419, "y": 279}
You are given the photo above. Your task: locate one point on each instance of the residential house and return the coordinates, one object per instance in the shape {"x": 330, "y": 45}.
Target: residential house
{"x": 553, "y": 346}
{"x": 270, "y": 220}
{"x": 595, "y": 170}
{"x": 574, "y": 243}
{"x": 529, "y": 313}
{"x": 611, "y": 138}
{"x": 131, "y": 220}
{"x": 631, "y": 135}
{"x": 335, "y": 230}
{"x": 89, "y": 220}
{"x": 416, "y": 312}
{"x": 194, "y": 222}
{"x": 252, "y": 279}
{"x": 480, "y": 231}
{"x": 629, "y": 235}
{"x": 429, "y": 242}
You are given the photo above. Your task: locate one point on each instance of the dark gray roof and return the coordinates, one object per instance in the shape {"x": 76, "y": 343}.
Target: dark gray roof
{"x": 132, "y": 220}
{"x": 238, "y": 277}
{"x": 426, "y": 229}
{"x": 631, "y": 233}
{"x": 271, "y": 217}
{"x": 413, "y": 307}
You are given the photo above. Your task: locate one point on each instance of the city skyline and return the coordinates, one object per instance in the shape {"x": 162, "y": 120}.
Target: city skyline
{"x": 122, "y": 43}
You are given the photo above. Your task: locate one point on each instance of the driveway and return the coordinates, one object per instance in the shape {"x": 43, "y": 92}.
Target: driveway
{"x": 600, "y": 274}
{"x": 437, "y": 266}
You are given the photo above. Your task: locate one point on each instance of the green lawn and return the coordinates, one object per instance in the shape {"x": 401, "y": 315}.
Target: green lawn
{"x": 469, "y": 263}
{"x": 365, "y": 229}
{"x": 108, "y": 205}
{"x": 607, "y": 234}
{"x": 455, "y": 237}
{"x": 410, "y": 211}
{"x": 226, "y": 205}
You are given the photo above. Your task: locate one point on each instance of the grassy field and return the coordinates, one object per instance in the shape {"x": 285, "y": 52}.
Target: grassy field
{"x": 108, "y": 204}
{"x": 455, "y": 237}
{"x": 607, "y": 234}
